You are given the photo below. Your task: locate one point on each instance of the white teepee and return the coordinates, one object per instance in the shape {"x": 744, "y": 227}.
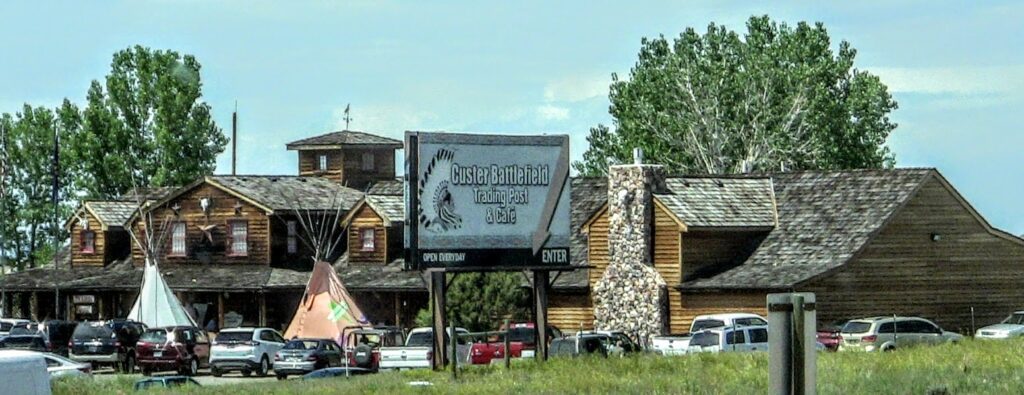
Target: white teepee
{"x": 156, "y": 305}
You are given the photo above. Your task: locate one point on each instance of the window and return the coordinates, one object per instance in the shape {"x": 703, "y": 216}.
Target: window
{"x": 750, "y": 322}
{"x": 88, "y": 242}
{"x": 758, "y": 335}
{"x": 323, "y": 162}
{"x": 367, "y": 236}
{"x": 367, "y": 160}
{"x": 178, "y": 239}
{"x": 239, "y": 238}
{"x": 704, "y": 324}
{"x": 293, "y": 242}
{"x": 736, "y": 337}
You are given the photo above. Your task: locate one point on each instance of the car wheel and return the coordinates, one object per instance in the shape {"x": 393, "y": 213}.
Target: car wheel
{"x": 282, "y": 376}
{"x": 215, "y": 372}
{"x": 246, "y": 372}
{"x": 264, "y": 367}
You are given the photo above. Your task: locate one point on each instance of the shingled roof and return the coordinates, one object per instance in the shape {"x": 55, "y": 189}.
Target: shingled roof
{"x": 388, "y": 187}
{"x": 824, "y": 219}
{"x": 588, "y": 195}
{"x": 112, "y": 213}
{"x": 280, "y": 193}
{"x": 338, "y": 139}
{"x": 741, "y": 202}
{"x": 391, "y": 208}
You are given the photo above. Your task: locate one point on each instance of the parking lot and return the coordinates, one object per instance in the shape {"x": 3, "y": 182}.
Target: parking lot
{"x": 204, "y": 378}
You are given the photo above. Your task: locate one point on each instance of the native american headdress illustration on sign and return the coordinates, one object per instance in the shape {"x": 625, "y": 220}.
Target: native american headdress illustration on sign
{"x": 437, "y": 211}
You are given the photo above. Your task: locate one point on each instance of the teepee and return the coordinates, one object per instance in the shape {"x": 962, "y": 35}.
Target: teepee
{"x": 156, "y": 305}
{"x": 326, "y": 308}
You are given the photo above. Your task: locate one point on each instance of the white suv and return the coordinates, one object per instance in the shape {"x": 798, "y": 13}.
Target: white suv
{"x": 730, "y": 339}
{"x": 244, "y": 349}
{"x": 889, "y": 333}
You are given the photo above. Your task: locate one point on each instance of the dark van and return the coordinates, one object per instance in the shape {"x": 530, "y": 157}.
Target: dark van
{"x": 106, "y": 343}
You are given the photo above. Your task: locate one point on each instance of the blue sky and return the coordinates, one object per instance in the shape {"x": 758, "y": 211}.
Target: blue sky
{"x": 956, "y": 69}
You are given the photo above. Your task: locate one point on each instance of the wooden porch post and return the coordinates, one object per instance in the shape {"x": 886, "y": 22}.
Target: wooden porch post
{"x": 262, "y": 298}
{"x": 398, "y": 310}
{"x": 99, "y": 307}
{"x": 33, "y": 306}
{"x": 220, "y": 311}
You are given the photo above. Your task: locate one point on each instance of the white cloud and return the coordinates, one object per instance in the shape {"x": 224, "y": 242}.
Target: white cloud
{"x": 553, "y": 113}
{"x": 577, "y": 88}
{"x": 963, "y": 80}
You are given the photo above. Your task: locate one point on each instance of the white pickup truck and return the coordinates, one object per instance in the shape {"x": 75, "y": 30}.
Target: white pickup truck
{"x": 680, "y": 344}
{"x": 418, "y": 350}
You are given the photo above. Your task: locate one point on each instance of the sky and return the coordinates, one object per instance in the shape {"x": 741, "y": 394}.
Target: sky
{"x": 525, "y": 67}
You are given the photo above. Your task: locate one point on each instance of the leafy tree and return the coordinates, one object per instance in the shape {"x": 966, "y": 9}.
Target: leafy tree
{"x": 777, "y": 98}
{"x": 29, "y": 229}
{"x": 145, "y": 125}
{"x": 481, "y": 301}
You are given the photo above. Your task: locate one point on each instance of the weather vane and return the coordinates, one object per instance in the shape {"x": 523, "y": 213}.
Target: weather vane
{"x": 348, "y": 117}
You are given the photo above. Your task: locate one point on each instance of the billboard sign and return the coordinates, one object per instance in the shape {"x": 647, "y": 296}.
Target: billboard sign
{"x": 486, "y": 201}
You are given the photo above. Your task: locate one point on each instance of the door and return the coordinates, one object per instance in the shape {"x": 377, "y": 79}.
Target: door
{"x": 333, "y": 354}
{"x": 736, "y": 340}
{"x": 905, "y": 334}
{"x": 201, "y": 347}
{"x": 758, "y": 339}
{"x": 927, "y": 333}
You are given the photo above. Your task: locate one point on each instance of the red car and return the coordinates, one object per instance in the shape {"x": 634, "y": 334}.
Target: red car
{"x": 829, "y": 336}
{"x": 362, "y": 345}
{"x": 522, "y": 337}
{"x": 179, "y": 348}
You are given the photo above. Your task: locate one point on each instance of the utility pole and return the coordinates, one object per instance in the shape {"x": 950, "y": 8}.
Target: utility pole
{"x": 56, "y": 220}
{"x": 234, "y": 140}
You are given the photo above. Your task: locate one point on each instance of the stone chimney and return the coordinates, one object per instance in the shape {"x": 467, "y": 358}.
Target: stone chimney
{"x": 630, "y": 296}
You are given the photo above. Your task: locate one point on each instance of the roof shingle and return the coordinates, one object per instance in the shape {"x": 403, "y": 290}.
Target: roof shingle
{"x": 344, "y": 137}
{"x": 112, "y": 213}
{"x": 720, "y": 201}
{"x": 284, "y": 193}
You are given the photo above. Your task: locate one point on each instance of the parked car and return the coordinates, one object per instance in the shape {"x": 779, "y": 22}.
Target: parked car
{"x": 165, "y": 382}
{"x": 593, "y": 343}
{"x": 362, "y": 345}
{"x": 55, "y": 333}
{"x": 246, "y": 350}
{"x": 1012, "y": 326}
{"x": 730, "y": 339}
{"x": 336, "y": 372}
{"x": 522, "y": 343}
{"x": 702, "y": 322}
{"x": 25, "y": 342}
{"x": 106, "y": 342}
{"x": 7, "y": 323}
{"x": 677, "y": 344}
{"x": 30, "y": 370}
{"x": 889, "y": 333}
{"x": 301, "y": 356}
{"x": 418, "y": 351}
{"x": 828, "y": 336}
{"x": 59, "y": 366}
{"x": 185, "y": 349}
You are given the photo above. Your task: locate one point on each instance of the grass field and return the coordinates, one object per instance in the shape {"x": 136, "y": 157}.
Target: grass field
{"x": 973, "y": 367}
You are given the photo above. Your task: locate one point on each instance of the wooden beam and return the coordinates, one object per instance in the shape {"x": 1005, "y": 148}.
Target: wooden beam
{"x": 398, "y": 309}
{"x": 33, "y": 306}
{"x": 438, "y": 288}
{"x": 262, "y": 297}
{"x": 540, "y": 299}
{"x": 220, "y": 311}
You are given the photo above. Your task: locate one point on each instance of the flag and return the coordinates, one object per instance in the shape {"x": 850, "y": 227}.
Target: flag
{"x": 338, "y": 310}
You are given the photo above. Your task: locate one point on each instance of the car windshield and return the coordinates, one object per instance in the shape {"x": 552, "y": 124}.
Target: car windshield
{"x": 154, "y": 336}
{"x": 234, "y": 336}
{"x": 21, "y": 330}
{"x": 301, "y": 345}
{"x": 856, "y": 327}
{"x": 704, "y": 339}
{"x": 92, "y": 330}
{"x": 372, "y": 339}
{"x": 1015, "y": 318}
{"x": 705, "y": 324}
{"x": 420, "y": 339}
{"x": 21, "y": 341}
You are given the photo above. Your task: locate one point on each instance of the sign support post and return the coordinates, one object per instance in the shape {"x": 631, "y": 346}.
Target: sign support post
{"x": 438, "y": 288}
{"x": 540, "y": 299}
{"x": 792, "y": 355}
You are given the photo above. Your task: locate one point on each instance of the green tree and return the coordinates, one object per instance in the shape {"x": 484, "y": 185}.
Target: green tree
{"x": 777, "y": 98}
{"x": 481, "y": 301}
{"x": 145, "y": 125}
{"x": 29, "y": 230}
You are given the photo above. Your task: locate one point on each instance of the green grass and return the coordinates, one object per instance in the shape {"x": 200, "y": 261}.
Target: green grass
{"x": 973, "y": 367}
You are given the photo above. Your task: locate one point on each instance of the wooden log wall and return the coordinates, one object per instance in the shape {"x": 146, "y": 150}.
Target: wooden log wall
{"x": 694, "y": 304}
{"x": 902, "y": 271}
{"x": 222, "y": 211}
{"x": 309, "y": 164}
{"x": 383, "y": 166}
{"x": 79, "y": 258}
{"x": 366, "y": 218}
{"x": 567, "y": 311}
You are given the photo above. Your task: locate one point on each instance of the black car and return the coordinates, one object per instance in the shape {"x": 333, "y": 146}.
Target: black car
{"x": 593, "y": 343}
{"x": 301, "y": 356}
{"x": 336, "y": 372}
{"x": 55, "y": 333}
{"x": 24, "y": 342}
{"x": 106, "y": 342}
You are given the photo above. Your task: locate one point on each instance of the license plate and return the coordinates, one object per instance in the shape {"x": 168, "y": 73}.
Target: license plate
{"x": 158, "y": 354}
{"x": 93, "y": 348}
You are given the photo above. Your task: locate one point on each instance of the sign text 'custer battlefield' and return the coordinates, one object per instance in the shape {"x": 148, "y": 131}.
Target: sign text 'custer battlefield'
{"x": 487, "y": 201}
